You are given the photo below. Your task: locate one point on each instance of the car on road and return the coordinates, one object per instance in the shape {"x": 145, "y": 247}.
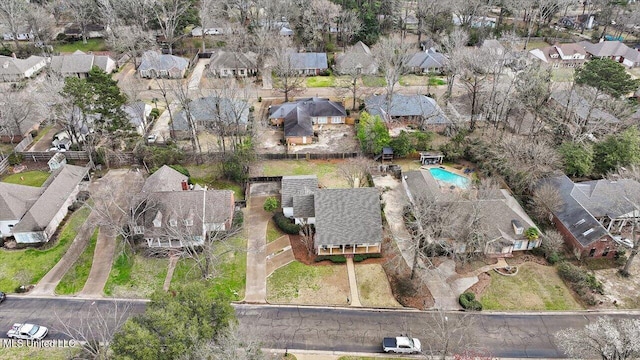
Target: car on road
{"x": 2, "y": 296}
{"x": 401, "y": 345}
{"x": 27, "y": 332}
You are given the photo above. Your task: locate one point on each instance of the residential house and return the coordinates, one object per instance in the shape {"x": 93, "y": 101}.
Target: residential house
{"x": 592, "y": 211}
{"x": 297, "y": 197}
{"x": 347, "y": 221}
{"x": 561, "y": 55}
{"x": 79, "y": 64}
{"x": 474, "y": 22}
{"x": 91, "y": 31}
{"x": 358, "y": 59}
{"x": 419, "y": 110}
{"x": 15, "y": 201}
{"x": 23, "y": 35}
{"x": 47, "y": 210}
{"x": 300, "y": 118}
{"x": 582, "y": 110}
{"x": 309, "y": 63}
{"x": 13, "y": 69}
{"x": 427, "y": 62}
{"x": 500, "y": 216}
{"x": 211, "y": 112}
{"x": 232, "y": 63}
{"x": 156, "y": 65}
{"x": 614, "y": 50}
{"x": 170, "y": 213}
{"x": 138, "y": 113}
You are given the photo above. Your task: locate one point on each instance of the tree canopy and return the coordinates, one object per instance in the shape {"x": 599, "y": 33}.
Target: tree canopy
{"x": 617, "y": 150}
{"x": 577, "y": 159}
{"x": 607, "y": 76}
{"x": 372, "y": 133}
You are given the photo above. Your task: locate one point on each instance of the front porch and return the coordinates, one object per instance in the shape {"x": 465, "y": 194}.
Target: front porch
{"x": 348, "y": 249}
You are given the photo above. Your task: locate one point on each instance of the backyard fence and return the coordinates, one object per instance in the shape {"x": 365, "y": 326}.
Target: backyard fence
{"x": 26, "y": 141}
{"x": 4, "y": 164}
{"x": 119, "y": 159}
{"x": 307, "y": 156}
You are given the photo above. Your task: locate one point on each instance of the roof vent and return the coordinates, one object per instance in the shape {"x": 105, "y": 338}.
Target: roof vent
{"x": 580, "y": 222}
{"x": 588, "y": 232}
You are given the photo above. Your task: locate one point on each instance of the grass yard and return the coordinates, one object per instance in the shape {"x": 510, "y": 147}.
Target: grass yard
{"x": 273, "y": 231}
{"x": 370, "y": 358}
{"x": 73, "y": 281}
{"x": 91, "y": 45}
{"x": 24, "y": 267}
{"x": 373, "y": 286}
{"x": 373, "y": 81}
{"x": 136, "y": 276}
{"x": 537, "y": 44}
{"x": 421, "y": 80}
{"x": 535, "y": 287}
{"x": 41, "y": 133}
{"x": 6, "y": 148}
{"x": 297, "y": 283}
{"x": 562, "y": 74}
{"x": 320, "y": 81}
{"x": 210, "y": 176}
{"x": 230, "y": 277}
{"x": 36, "y": 353}
{"x": 326, "y": 171}
{"x": 30, "y": 178}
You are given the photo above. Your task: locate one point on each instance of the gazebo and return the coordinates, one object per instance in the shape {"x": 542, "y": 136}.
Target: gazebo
{"x": 429, "y": 158}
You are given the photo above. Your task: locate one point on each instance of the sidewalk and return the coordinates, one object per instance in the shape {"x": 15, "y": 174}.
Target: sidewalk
{"x": 353, "y": 284}
{"x": 196, "y": 74}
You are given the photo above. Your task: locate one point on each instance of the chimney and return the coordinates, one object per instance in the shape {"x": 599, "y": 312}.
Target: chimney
{"x": 185, "y": 185}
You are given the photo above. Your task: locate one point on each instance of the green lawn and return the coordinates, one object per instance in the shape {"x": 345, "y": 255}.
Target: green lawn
{"x": 41, "y": 133}
{"x": 373, "y": 81}
{"x": 6, "y": 149}
{"x": 136, "y": 276}
{"x": 421, "y": 80}
{"x": 210, "y": 176}
{"x": 30, "y": 178}
{"x": 327, "y": 172}
{"x": 273, "y": 231}
{"x": 230, "y": 273}
{"x": 320, "y": 81}
{"x": 23, "y": 267}
{"x": 73, "y": 281}
{"x": 297, "y": 283}
{"x": 535, "y": 287}
{"x": 562, "y": 75}
{"x": 91, "y": 45}
{"x": 36, "y": 353}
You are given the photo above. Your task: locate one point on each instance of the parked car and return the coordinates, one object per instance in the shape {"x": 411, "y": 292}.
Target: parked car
{"x": 2, "y": 296}
{"x": 401, "y": 345}
{"x": 625, "y": 242}
{"x": 27, "y": 332}
{"x": 152, "y": 138}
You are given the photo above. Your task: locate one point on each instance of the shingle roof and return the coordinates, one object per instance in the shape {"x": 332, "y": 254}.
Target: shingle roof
{"x": 61, "y": 185}
{"x": 135, "y": 112}
{"x": 164, "y": 179}
{"x": 427, "y": 60}
{"x": 582, "y": 225}
{"x": 232, "y": 60}
{"x": 608, "y": 198}
{"x": 611, "y": 48}
{"x": 580, "y": 106}
{"x": 297, "y": 185}
{"x": 78, "y": 62}
{"x": 303, "y": 206}
{"x": 359, "y": 55}
{"x": 206, "y": 110}
{"x": 348, "y": 216}
{"x": 298, "y": 115}
{"x": 407, "y": 105}
{"x": 152, "y": 60}
{"x": 16, "y": 199}
{"x": 302, "y": 61}
{"x": 13, "y": 66}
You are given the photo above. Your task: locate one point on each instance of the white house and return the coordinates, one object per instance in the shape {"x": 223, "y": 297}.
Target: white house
{"x": 13, "y": 69}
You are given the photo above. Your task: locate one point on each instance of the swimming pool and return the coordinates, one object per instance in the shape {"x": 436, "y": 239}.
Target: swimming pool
{"x": 449, "y": 177}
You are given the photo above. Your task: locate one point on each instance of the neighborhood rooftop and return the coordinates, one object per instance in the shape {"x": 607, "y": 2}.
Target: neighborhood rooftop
{"x": 164, "y": 179}
{"x": 297, "y": 185}
{"x": 407, "y": 106}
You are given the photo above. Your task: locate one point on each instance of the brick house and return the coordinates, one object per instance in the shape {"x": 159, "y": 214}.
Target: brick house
{"x": 301, "y": 118}
{"x": 419, "y": 110}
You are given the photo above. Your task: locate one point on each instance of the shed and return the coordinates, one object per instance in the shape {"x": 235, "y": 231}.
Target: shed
{"x": 387, "y": 153}
{"x": 57, "y": 161}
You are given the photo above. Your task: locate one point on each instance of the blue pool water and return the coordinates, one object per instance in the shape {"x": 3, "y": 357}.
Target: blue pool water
{"x": 449, "y": 177}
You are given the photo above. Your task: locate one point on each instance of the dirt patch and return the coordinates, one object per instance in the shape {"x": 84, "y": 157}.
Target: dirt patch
{"x": 521, "y": 258}
{"x": 619, "y": 292}
{"x": 325, "y": 170}
{"x": 331, "y": 139}
{"x": 373, "y": 287}
{"x": 474, "y": 264}
{"x": 484, "y": 280}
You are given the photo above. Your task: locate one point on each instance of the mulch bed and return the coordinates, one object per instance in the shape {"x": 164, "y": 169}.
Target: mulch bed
{"x": 484, "y": 280}
{"x": 301, "y": 254}
{"x": 521, "y": 258}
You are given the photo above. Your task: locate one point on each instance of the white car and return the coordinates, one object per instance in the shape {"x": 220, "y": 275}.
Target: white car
{"x": 152, "y": 138}
{"x": 27, "y": 332}
{"x": 401, "y": 345}
{"x": 625, "y": 242}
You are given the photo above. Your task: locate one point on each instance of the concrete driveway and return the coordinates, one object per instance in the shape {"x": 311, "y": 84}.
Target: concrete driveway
{"x": 256, "y": 287}
{"x": 161, "y": 128}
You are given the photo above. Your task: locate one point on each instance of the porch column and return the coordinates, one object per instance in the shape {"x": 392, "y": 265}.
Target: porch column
{"x": 622, "y": 224}
{"x": 354, "y": 248}
{"x": 609, "y": 226}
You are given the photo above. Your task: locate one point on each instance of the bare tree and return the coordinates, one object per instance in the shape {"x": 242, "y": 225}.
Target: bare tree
{"x": 392, "y": 57}
{"x": 41, "y": 23}
{"x": 454, "y": 46}
{"x": 355, "y": 171}
{"x": 131, "y": 40}
{"x": 451, "y": 334}
{"x": 17, "y": 107}
{"x": 475, "y": 70}
{"x": 606, "y": 339}
{"x": 546, "y": 201}
{"x": 288, "y": 80}
{"x": 552, "y": 242}
{"x": 168, "y": 14}
{"x": 231, "y": 344}
{"x": 84, "y": 13}
{"x": 182, "y": 95}
{"x": 96, "y": 330}
{"x": 13, "y": 13}
{"x": 534, "y": 88}
{"x": 349, "y": 24}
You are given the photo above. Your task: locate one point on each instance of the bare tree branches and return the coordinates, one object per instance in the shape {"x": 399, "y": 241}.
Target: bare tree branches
{"x": 392, "y": 57}
{"x": 606, "y": 338}
{"x": 355, "y": 171}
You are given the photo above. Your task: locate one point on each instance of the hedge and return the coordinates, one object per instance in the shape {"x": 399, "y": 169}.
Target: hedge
{"x": 468, "y": 302}
{"x": 342, "y": 259}
{"x": 285, "y": 224}
{"x": 581, "y": 281}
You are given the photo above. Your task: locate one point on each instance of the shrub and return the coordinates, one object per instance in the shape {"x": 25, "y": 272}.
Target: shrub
{"x": 181, "y": 169}
{"x": 553, "y": 258}
{"x": 238, "y": 219}
{"x": 259, "y": 98}
{"x": 468, "y": 302}
{"x": 154, "y": 114}
{"x": 337, "y": 259}
{"x": 363, "y": 257}
{"x": 582, "y": 282}
{"x": 270, "y": 204}
{"x": 34, "y": 133}
{"x": 285, "y": 224}
{"x": 15, "y": 159}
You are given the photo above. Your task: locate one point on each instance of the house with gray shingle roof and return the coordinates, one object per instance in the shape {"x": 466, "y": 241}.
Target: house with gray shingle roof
{"x": 358, "y": 56}
{"x": 79, "y": 64}
{"x": 213, "y": 112}
{"x": 309, "y": 63}
{"x": 13, "y": 69}
{"x": 420, "y": 110}
{"x": 156, "y": 65}
{"x": 165, "y": 179}
{"x": 302, "y": 117}
{"x": 614, "y": 50}
{"x": 138, "y": 113}
{"x": 348, "y": 221}
{"x": 15, "y": 201}
{"x": 429, "y": 61}
{"x": 232, "y": 64}
{"x": 593, "y": 211}
{"x": 571, "y": 102}
{"x": 297, "y": 197}
{"x": 40, "y": 222}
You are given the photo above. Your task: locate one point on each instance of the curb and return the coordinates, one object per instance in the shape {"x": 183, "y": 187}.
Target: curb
{"x": 79, "y": 298}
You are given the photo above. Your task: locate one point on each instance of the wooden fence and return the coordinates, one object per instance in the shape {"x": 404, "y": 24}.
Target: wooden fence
{"x": 307, "y": 156}
{"x": 4, "y": 164}
{"x": 26, "y": 141}
{"x": 120, "y": 159}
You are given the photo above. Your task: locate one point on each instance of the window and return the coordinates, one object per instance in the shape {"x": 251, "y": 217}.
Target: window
{"x": 336, "y": 120}
{"x": 605, "y": 252}
{"x": 517, "y": 245}
{"x": 173, "y": 222}
{"x": 322, "y": 120}
{"x": 592, "y": 253}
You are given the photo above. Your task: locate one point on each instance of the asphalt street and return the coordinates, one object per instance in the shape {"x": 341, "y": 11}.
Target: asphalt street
{"x": 328, "y": 329}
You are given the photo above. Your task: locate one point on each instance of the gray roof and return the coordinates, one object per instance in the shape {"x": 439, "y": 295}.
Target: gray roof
{"x": 60, "y": 185}
{"x": 164, "y": 179}
{"x": 407, "y": 105}
{"x": 580, "y": 106}
{"x": 206, "y": 109}
{"x": 611, "y": 48}
{"x": 78, "y": 62}
{"x": 297, "y": 185}
{"x": 427, "y": 60}
{"x": 298, "y": 114}
{"x": 359, "y": 55}
{"x": 16, "y": 199}
{"x": 348, "y": 216}
{"x": 303, "y": 206}
{"x": 152, "y": 60}
{"x": 135, "y": 112}
{"x": 302, "y": 61}
{"x": 582, "y": 224}
{"x": 232, "y": 60}
{"x": 612, "y": 198}
{"x": 13, "y": 66}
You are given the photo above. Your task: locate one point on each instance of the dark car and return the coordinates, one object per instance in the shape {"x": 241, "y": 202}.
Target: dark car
{"x": 2, "y": 296}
